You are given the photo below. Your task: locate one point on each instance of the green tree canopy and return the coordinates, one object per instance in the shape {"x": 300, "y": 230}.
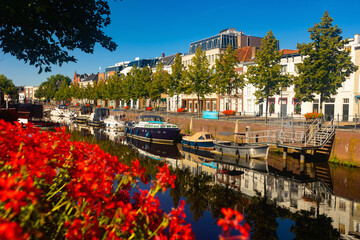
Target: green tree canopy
{"x": 158, "y": 82}
{"x": 63, "y": 94}
{"x": 199, "y": 76}
{"x": 326, "y": 64}
{"x": 42, "y": 32}
{"x": 226, "y": 79}
{"x": 52, "y": 84}
{"x": 7, "y": 87}
{"x": 175, "y": 84}
{"x": 266, "y": 75}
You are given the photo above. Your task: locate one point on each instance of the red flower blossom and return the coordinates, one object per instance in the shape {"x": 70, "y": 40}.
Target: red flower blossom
{"x": 180, "y": 110}
{"x": 228, "y": 223}
{"x": 229, "y": 112}
{"x": 164, "y": 178}
{"x": 11, "y": 230}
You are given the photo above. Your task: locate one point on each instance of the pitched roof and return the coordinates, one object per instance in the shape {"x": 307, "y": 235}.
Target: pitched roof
{"x": 244, "y": 54}
{"x": 288, "y": 51}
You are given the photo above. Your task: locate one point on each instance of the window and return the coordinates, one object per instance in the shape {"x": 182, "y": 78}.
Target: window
{"x": 207, "y": 105}
{"x": 214, "y": 106}
{"x": 239, "y": 105}
{"x": 346, "y": 100}
{"x": 284, "y": 68}
{"x": 296, "y": 68}
{"x": 297, "y": 106}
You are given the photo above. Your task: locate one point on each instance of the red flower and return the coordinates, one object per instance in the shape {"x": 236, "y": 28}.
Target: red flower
{"x": 148, "y": 108}
{"x": 127, "y": 107}
{"x": 11, "y": 230}
{"x": 313, "y": 115}
{"x": 228, "y": 223}
{"x": 181, "y": 110}
{"x": 228, "y": 112}
{"x": 164, "y": 177}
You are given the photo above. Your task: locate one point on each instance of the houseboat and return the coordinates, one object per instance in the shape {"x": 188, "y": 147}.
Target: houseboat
{"x": 152, "y": 128}
{"x": 199, "y": 141}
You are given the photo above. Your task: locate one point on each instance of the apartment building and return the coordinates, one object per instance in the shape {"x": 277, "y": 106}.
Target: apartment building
{"x": 246, "y": 47}
{"x": 344, "y": 106}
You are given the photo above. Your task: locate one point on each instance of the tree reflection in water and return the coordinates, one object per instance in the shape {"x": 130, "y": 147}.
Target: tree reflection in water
{"x": 202, "y": 195}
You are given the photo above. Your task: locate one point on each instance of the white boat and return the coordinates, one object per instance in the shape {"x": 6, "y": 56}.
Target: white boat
{"x": 112, "y": 123}
{"x": 59, "y": 111}
{"x": 98, "y": 116}
{"x": 116, "y": 121}
{"x": 82, "y": 116}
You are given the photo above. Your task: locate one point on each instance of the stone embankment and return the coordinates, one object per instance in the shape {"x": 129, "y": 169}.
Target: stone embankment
{"x": 346, "y": 145}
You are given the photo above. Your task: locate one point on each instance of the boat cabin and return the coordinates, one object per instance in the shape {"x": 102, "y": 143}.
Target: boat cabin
{"x": 201, "y": 136}
{"x": 62, "y": 106}
{"x": 101, "y": 113}
{"x": 151, "y": 118}
{"x": 86, "y": 110}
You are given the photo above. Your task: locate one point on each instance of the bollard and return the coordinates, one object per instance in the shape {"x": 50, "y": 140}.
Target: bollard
{"x": 355, "y": 119}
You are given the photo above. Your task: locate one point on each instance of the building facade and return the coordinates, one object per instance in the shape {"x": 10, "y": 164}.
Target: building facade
{"x": 246, "y": 47}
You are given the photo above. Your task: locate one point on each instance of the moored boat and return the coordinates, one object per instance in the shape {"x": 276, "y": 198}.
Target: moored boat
{"x": 199, "y": 141}
{"x": 241, "y": 149}
{"x": 152, "y": 128}
{"x": 116, "y": 121}
{"x": 83, "y": 115}
{"x": 59, "y": 111}
{"x": 98, "y": 116}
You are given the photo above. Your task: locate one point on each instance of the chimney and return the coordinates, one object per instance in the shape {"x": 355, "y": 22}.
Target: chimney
{"x": 163, "y": 55}
{"x": 357, "y": 38}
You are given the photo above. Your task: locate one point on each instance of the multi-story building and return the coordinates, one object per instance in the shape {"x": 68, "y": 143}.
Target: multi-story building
{"x": 246, "y": 47}
{"x": 344, "y": 106}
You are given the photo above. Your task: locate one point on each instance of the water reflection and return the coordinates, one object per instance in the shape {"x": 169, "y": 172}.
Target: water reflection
{"x": 319, "y": 201}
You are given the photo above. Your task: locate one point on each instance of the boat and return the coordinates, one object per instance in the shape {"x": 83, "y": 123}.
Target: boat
{"x": 154, "y": 150}
{"x": 116, "y": 121}
{"x": 152, "y": 128}
{"x": 82, "y": 116}
{"x": 199, "y": 141}
{"x": 59, "y": 111}
{"x": 98, "y": 116}
{"x": 252, "y": 150}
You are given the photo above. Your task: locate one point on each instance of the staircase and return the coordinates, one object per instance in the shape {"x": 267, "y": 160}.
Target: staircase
{"x": 319, "y": 136}
{"x": 322, "y": 172}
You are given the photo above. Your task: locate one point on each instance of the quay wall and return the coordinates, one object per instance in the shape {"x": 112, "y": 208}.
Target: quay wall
{"x": 346, "y": 146}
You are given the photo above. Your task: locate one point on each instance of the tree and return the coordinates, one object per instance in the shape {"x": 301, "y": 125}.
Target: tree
{"x": 198, "y": 77}
{"x": 129, "y": 84}
{"x": 49, "y": 88}
{"x": 42, "y": 32}
{"x": 326, "y": 64}
{"x": 226, "y": 79}
{"x": 266, "y": 74}
{"x": 142, "y": 83}
{"x": 63, "y": 94}
{"x": 7, "y": 87}
{"x": 158, "y": 82}
{"x": 175, "y": 84}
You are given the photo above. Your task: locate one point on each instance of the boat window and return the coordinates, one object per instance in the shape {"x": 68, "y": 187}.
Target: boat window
{"x": 208, "y": 136}
{"x": 201, "y": 137}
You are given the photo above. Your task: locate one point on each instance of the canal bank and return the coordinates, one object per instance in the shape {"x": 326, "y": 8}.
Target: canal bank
{"x": 345, "y": 145}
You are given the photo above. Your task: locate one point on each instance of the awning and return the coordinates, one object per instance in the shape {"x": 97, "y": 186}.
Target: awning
{"x": 357, "y": 97}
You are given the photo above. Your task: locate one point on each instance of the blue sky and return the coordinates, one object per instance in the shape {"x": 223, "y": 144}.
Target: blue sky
{"x": 145, "y": 29}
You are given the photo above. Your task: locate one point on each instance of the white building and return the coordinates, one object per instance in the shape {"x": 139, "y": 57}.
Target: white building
{"x": 343, "y": 106}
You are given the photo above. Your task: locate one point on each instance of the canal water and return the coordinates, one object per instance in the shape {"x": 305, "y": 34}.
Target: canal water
{"x": 280, "y": 199}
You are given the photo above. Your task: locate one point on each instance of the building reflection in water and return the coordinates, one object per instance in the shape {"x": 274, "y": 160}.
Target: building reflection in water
{"x": 310, "y": 188}
{"x": 317, "y": 188}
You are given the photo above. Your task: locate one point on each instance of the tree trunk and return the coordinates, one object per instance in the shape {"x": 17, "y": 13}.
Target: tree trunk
{"x": 198, "y": 109}
{"x": 320, "y": 102}
{"x": 267, "y": 107}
